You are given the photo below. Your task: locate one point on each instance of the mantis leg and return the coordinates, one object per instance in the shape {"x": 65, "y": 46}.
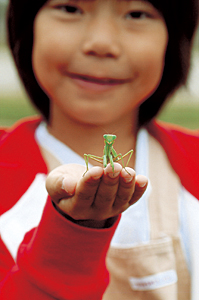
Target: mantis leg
{"x": 93, "y": 157}
{"x": 130, "y": 153}
{"x": 110, "y": 159}
{"x": 120, "y": 157}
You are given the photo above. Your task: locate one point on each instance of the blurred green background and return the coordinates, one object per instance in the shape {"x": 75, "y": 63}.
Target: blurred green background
{"x": 181, "y": 109}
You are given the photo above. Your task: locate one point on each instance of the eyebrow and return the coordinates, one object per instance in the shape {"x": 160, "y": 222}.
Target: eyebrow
{"x": 116, "y": 0}
{"x": 78, "y": 1}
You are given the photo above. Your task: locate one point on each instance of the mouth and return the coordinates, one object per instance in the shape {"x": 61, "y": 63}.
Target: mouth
{"x": 100, "y": 80}
{"x": 103, "y": 81}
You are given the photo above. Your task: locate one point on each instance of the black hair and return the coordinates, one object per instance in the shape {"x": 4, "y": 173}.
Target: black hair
{"x": 181, "y": 17}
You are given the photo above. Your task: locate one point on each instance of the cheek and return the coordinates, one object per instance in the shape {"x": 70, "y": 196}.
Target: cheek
{"x": 53, "y": 48}
{"x": 46, "y": 61}
{"x": 41, "y": 51}
{"x": 45, "y": 48}
{"x": 41, "y": 69}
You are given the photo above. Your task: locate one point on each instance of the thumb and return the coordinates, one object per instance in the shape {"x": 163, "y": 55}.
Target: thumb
{"x": 60, "y": 185}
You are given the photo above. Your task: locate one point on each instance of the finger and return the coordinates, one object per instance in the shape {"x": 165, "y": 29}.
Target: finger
{"x": 80, "y": 205}
{"x": 140, "y": 187}
{"x": 125, "y": 190}
{"x": 88, "y": 185}
{"x": 61, "y": 182}
{"x": 60, "y": 186}
{"x": 108, "y": 187}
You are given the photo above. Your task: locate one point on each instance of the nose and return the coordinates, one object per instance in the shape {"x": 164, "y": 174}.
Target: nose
{"x": 101, "y": 39}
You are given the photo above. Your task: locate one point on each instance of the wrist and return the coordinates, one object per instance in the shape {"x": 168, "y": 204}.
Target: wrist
{"x": 88, "y": 223}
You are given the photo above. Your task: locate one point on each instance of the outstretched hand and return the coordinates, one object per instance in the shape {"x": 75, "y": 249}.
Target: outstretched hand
{"x": 98, "y": 195}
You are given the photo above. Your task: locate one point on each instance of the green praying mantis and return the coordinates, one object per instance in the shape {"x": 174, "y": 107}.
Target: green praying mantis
{"x": 109, "y": 154}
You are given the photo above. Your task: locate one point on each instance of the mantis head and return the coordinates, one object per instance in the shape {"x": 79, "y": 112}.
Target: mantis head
{"x": 109, "y": 138}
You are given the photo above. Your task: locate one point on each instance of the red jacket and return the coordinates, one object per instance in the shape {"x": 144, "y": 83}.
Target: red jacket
{"x": 58, "y": 259}
{"x": 182, "y": 148}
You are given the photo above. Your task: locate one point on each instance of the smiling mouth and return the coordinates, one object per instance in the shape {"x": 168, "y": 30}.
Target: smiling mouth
{"x": 100, "y": 81}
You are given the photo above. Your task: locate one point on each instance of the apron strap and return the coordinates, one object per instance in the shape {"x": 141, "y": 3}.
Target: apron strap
{"x": 164, "y": 210}
{"x": 163, "y": 206}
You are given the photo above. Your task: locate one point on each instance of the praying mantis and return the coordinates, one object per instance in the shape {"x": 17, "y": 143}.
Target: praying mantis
{"x": 109, "y": 154}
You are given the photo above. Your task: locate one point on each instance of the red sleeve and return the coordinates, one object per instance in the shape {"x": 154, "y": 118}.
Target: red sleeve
{"x": 20, "y": 157}
{"x": 59, "y": 260}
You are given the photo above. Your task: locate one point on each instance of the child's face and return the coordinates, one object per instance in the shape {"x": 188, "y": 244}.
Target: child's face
{"x": 98, "y": 60}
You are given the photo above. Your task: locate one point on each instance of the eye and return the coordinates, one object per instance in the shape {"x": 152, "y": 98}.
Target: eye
{"x": 137, "y": 15}
{"x": 70, "y": 9}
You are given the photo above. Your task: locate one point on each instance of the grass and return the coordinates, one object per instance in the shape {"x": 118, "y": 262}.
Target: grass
{"x": 182, "y": 109}
{"x": 13, "y": 109}
{"x": 183, "y": 115}
{"x": 178, "y": 111}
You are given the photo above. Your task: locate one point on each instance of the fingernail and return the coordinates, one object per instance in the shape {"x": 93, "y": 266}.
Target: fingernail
{"x": 62, "y": 185}
{"x": 128, "y": 179}
{"x": 113, "y": 175}
{"x": 96, "y": 177}
{"x": 64, "y": 189}
{"x": 142, "y": 184}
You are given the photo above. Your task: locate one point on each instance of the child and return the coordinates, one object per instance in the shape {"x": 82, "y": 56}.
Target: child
{"x": 92, "y": 67}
